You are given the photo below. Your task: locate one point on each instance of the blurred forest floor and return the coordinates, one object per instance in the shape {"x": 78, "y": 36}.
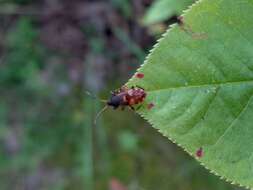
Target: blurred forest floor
{"x": 51, "y": 52}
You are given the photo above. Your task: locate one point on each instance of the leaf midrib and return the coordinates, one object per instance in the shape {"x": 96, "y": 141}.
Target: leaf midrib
{"x": 204, "y": 85}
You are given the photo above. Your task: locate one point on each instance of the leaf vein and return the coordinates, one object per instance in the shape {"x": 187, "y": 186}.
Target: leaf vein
{"x": 235, "y": 120}
{"x": 203, "y": 85}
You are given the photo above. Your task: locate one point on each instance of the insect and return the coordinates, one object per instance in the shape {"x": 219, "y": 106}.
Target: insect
{"x": 127, "y": 97}
{"x": 124, "y": 97}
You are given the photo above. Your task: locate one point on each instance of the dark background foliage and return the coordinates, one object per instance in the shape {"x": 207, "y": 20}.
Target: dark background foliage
{"x": 51, "y": 52}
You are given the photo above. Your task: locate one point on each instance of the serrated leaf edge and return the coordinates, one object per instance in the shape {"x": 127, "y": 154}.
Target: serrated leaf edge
{"x": 160, "y": 131}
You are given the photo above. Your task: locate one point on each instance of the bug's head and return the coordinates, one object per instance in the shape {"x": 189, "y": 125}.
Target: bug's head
{"x": 115, "y": 101}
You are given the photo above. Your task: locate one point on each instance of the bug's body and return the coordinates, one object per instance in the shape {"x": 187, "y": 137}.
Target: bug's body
{"x": 124, "y": 97}
{"x": 127, "y": 97}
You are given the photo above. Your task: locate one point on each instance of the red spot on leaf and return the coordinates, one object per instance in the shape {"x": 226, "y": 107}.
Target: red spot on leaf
{"x": 150, "y": 106}
{"x": 199, "y": 152}
{"x": 115, "y": 184}
{"x": 139, "y": 75}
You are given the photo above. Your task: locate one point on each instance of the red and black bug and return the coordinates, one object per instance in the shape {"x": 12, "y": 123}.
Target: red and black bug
{"x": 124, "y": 97}
{"x": 127, "y": 97}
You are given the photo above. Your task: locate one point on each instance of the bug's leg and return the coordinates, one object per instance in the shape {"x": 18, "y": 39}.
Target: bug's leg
{"x": 113, "y": 92}
{"x": 140, "y": 106}
{"x": 139, "y": 87}
{"x": 117, "y": 91}
{"x": 115, "y": 107}
{"x": 123, "y": 89}
{"x": 123, "y": 108}
{"x": 132, "y": 108}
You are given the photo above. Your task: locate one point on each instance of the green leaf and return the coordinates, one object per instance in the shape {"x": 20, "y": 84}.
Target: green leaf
{"x": 202, "y": 88}
{"x": 162, "y": 10}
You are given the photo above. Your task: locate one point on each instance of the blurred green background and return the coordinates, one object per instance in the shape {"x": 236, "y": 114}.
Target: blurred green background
{"x": 51, "y": 52}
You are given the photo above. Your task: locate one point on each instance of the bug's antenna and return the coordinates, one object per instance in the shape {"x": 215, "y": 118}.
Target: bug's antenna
{"x": 99, "y": 114}
{"x": 101, "y": 100}
{"x": 95, "y": 97}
